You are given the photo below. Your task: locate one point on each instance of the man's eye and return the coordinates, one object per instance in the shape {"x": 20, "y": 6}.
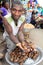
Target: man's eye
{"x": 20, "y": 10}
{"x": 14, "y": 9}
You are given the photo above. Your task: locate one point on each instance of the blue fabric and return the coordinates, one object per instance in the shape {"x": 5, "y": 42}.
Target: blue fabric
{"x": 4, "y": 11}
{"x": 3, "y": 14}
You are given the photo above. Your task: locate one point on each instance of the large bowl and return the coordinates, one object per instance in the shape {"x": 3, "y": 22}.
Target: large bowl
{"x": 29, "y": 61}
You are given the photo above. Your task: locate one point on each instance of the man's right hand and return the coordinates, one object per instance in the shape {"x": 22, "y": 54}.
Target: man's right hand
{"x": 23, "y": 47}
{"x": 20, "y": 46}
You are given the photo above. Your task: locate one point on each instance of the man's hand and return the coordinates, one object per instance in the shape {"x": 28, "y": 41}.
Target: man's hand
{"x": 23, "y": 47}
{"x": 20, "y": 46}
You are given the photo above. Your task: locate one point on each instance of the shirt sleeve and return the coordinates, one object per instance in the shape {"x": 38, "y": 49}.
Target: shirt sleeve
{"x": 4, "y": 11}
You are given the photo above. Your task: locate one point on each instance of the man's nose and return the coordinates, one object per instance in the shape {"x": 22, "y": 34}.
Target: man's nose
{"x": 17, "y": 12}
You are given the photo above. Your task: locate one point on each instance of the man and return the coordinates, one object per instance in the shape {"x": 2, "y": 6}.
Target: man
{"x": 6, "y": 6}
{"x": 14, "y": 26}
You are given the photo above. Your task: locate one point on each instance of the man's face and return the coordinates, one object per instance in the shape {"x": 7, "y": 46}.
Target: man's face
{"x": 7, "y": 5}
{"x": 16, "y": 12}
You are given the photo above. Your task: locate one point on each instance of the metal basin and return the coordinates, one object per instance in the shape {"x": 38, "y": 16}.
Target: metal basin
{"x": 28, "y": 61}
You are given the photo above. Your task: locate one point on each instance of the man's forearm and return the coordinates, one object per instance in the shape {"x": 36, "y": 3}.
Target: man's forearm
{"x": 21, "y": 36}
{"x": 14, "y": 39}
